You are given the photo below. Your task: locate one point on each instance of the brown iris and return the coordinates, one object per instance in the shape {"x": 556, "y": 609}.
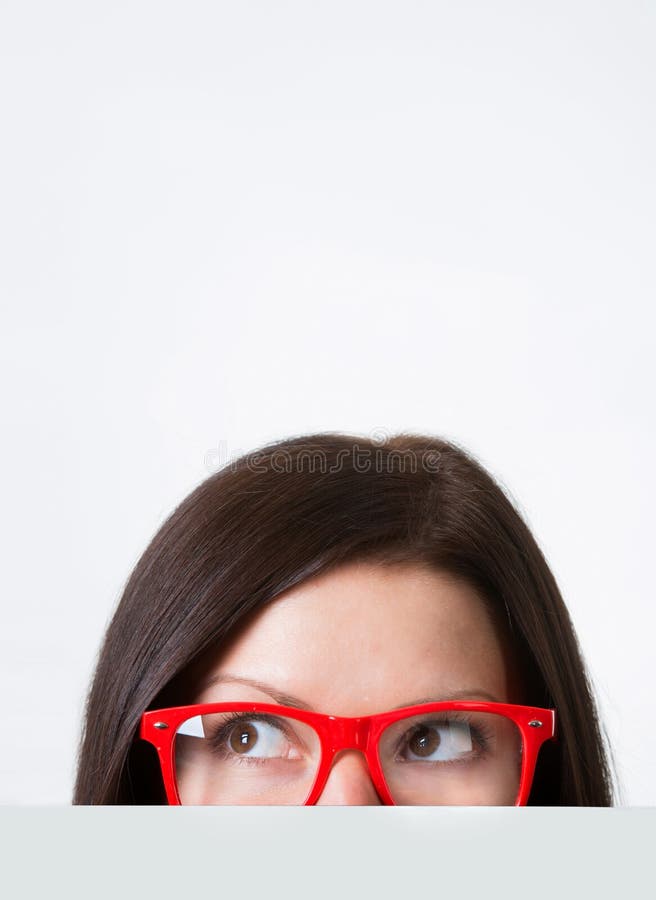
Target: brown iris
{"x": 424, "y": 741}
{"x": 243, "y": 738}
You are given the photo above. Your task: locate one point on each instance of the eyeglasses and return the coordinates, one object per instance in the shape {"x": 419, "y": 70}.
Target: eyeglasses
{"x": 461, "y": 753}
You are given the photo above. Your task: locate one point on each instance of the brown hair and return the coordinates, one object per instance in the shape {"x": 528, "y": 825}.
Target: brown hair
{"x": 299, "y": 507}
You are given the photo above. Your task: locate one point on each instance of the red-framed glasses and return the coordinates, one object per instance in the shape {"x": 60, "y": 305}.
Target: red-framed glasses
{"x": 459, "y": 753}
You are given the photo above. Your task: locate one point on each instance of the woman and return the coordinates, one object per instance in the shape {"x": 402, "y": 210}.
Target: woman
{"x": 341, "y": 621}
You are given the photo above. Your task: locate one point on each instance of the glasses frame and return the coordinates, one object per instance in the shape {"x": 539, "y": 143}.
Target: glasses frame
{"x": 336, "y": 733}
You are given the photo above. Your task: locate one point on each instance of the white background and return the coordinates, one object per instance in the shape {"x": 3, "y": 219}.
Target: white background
{"x": 357, "y": 851}
{"x": 225, "y": 223}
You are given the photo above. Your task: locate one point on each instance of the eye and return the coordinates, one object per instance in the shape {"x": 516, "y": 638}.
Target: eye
{"x": 438, "y": 741}
{"x": 255, "y": 738}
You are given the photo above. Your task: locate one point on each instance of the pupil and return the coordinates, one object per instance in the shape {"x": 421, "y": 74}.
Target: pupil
{"x": 424, "y": 742}
{"x": 243, "y": 738}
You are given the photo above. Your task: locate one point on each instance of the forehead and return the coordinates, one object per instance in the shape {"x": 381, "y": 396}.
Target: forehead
{"x": 366, "y": 637}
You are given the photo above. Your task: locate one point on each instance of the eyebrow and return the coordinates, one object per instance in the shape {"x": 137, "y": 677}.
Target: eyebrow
{"x": 290, "y": 700}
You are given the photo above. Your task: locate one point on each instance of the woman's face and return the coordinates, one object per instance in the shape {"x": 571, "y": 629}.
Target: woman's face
{"x": 365, "y": 638}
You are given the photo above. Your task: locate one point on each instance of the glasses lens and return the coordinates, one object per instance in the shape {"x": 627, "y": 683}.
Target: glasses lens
{"x": 245, "y": 758}
{"x": 452, "y": 758}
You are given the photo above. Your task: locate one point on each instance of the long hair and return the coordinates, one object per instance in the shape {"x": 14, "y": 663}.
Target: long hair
{"x": 297, "y": 508}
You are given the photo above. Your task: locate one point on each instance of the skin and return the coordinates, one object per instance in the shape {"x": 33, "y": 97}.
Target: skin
{"x": 363, "y": 639}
